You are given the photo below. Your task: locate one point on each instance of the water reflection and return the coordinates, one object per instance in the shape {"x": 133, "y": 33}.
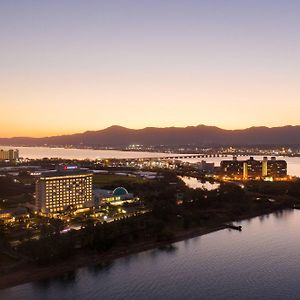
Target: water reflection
{"x": 156, "y": 253}
{"x": 68, "y": 278}
{"x": 283, "y": 214}
{"x": 168, "y": 248}
{"x": 263, "y": 258}
{"x": 104, "y": 266}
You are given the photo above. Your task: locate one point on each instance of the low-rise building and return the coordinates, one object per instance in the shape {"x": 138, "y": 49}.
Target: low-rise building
{"x": 116, "y": 197}
{"x": 206, "y": 167}
{"x": 13, "y": 214}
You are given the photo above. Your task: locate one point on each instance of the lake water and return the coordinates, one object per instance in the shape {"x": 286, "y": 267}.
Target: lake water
{"x": 68, "y": 153}
{"x": 260, "y": 262}
{"x": 41, "y": 152}
{"x": 194, "y": 183}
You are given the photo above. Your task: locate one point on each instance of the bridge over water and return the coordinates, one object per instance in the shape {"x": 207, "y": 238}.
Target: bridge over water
{"x": 183, "y": 156}
{"x": 171, "y": 157}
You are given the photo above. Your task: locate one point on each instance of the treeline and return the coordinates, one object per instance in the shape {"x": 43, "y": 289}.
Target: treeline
{"x": 289, "y": 188}
{"x": 199, "y": 208}
{"x": 101, "y": 237}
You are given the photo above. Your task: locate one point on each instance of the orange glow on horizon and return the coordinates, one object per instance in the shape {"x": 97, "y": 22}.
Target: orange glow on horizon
{"x": 68, "y": 68}
{"x": 37, "y": 133}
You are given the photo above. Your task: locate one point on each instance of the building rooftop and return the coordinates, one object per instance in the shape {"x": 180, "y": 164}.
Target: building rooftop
{"x": 66, "y": 172}
{"x": 120, "y": 191}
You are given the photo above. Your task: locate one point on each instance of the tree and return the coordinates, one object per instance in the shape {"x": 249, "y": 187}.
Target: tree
{"x": 58, "y": 226}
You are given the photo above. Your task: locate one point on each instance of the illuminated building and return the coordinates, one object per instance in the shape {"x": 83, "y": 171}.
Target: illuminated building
{"x": 232, "y": 168}
{"x": 276, "y": 168}
{"x": 13, "y": 214}
{"x": 66, "y": 187}
{"x": 116, "y": 197}
{"x": 10, "y": 154}
{"x": 254, "y": 169}
{"x": 265, "y": 167}
{"x": 245, "y": 170}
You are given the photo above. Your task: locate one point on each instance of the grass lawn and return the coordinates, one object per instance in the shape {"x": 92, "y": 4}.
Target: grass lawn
{"x": 108, "y": 179}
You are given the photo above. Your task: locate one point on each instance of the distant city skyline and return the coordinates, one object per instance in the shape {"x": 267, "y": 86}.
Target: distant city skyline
{"x": 72, "y": 66}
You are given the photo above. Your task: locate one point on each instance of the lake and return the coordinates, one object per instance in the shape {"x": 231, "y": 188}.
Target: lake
{"x": 41, "y": 152}
{"x": 195, "y": 183}
{"x": 70, "y": 153}
{"x": 260, "y": 262}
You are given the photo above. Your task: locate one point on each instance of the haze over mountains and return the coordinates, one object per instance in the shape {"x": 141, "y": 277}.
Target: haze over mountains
{"x": 117, "y": 136}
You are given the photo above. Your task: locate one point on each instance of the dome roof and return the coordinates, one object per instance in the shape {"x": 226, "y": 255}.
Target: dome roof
{"x": 120, "y": 191}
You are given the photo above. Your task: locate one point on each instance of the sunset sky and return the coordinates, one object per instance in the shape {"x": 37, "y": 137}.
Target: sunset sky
{"x": 68, "y": 66}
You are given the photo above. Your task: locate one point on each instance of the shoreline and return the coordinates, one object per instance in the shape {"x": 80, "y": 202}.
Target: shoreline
{"x": 121, "y": 149}
{"x": 26, "y": 274}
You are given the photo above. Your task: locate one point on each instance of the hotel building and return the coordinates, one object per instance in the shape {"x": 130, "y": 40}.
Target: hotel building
{"x": 66, "y": 187}
{"x": 10, "y": 154}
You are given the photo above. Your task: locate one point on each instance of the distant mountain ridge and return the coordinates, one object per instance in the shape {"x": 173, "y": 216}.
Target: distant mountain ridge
{"x": 118, "y": 136}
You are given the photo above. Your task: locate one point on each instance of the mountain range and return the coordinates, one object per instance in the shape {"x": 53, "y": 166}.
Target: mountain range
{"x": 118, "y": 136}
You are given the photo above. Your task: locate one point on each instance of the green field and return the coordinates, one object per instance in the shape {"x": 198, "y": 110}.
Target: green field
{"x": 110, "y": 179}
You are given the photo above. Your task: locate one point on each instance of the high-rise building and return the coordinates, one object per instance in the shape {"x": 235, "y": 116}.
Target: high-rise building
{"x": 11, "y": 154}
{"x": 265, "y": 167}
{"x": 254, "y": 169}
{"x": 276, "y": 168}
{"x": 245, "y": 170}
{"x": 232, "y": 168}
{"x": 66, "y": 187}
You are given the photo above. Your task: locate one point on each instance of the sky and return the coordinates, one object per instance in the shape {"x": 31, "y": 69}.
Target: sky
{"x": 68, "y": 66}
